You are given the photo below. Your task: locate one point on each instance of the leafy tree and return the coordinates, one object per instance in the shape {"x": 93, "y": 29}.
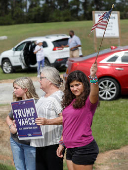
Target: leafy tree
{"x": 24, "y": 11}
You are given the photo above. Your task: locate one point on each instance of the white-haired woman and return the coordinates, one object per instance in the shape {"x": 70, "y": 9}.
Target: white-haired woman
{"x": 50, "y": 118}
{"x": 23, "y": 153}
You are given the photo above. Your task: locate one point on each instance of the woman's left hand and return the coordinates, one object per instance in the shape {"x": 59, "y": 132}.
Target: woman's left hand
{"x": 59, "y": 151}
{"x": 93, "y": 69}
{"x": 41, "y": 121}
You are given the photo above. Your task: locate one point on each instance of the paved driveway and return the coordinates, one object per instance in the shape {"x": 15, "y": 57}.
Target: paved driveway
{"x": 6, "y": 90}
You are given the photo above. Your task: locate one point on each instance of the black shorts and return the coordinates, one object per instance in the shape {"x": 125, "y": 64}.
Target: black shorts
{"x": 85, "y": 155}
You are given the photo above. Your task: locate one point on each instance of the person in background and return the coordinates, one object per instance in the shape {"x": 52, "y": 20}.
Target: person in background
{"x": 73, "y": 44}
{"x": 49, "y": 111}
{"x": 39, "y": 55}
{"x": 79, "y": 103}
{"x": 23, "y": 153}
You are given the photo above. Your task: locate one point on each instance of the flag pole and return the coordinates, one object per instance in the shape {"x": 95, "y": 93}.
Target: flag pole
{"x": 103, "y": 36}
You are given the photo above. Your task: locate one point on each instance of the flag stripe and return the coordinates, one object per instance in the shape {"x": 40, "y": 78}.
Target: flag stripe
{"x": 103, "y": 21}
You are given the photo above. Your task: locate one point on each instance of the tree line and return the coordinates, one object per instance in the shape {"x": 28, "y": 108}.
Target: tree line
{"x": 38, "y": 11}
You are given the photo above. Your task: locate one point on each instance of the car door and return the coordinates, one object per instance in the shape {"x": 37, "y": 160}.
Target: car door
{"x": 25, "y": 53}
{"x": 27, "y": 57}
{"x": 18, "y": 54}
{"x": 121, "y": 70}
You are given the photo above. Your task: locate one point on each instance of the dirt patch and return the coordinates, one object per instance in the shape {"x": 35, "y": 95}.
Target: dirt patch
{"x": 111, "y": 160}
{"x": 5, "y": 149}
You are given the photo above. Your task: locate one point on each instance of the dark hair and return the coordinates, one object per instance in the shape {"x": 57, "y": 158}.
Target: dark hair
{"x": 69, "y": 96}
{"x": 71, "y": 31}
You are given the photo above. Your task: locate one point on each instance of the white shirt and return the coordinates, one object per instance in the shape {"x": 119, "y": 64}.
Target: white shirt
{"x": 74, "y": 41}
{"x": 49, "y": 108}
{"x": 39, "y": 54}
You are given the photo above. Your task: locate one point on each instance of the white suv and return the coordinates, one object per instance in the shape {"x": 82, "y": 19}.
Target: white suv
{"x": 22, "y": 56}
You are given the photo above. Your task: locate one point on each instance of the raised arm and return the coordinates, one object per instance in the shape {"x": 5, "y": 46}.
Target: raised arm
{"x": 94, "y": 88}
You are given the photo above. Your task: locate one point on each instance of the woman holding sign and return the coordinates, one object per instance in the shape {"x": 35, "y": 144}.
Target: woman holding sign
{"x": 50, "y": 118}
{"x": 23, "y": 153}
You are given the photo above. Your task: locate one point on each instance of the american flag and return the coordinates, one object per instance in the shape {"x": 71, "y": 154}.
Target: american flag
{"x": 103, "y": 21}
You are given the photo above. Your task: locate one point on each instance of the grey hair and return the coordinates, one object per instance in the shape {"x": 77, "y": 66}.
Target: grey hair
{"x": 25, "y": 83}
{"x": 53, "y": 75}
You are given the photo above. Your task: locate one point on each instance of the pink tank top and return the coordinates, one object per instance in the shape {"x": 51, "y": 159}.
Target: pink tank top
{"x": 77, "y": 125}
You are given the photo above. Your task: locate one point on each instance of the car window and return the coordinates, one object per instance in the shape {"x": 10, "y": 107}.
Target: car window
{"x": 27, "y": 46}
{"x": 59, "y": 43}
{"x": 45, "y": 44}
{"x": 113, "y": 59}
{"x": 124, "y": 58}
{"x": 20, "y": 47}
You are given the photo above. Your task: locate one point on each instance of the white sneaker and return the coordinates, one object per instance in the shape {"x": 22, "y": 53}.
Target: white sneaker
{"x": 38, "y": 75}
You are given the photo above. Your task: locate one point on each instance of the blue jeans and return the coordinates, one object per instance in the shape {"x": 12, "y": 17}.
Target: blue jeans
{"x": 23, "y": 156}
{"x": 39, "y": 64}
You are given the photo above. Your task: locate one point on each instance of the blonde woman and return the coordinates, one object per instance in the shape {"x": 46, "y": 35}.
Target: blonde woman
{"x": 50, "y": 118}
{"x": 23, "y": 153}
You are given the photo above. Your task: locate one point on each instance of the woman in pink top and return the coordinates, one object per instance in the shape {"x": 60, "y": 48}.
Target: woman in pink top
{"x": 79, "y": 103}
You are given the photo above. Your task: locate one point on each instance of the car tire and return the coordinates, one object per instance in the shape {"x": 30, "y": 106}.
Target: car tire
{"x": 109, "y": 89}
{"x": 7, "y": 66}
{"x": 46, "y": 62}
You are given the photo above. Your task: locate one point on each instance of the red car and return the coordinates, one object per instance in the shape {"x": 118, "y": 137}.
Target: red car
{"x": 112, "y": 70}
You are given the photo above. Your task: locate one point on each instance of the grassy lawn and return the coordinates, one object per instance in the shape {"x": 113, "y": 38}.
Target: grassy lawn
{"x": 6, "y": 167}
{"x": 17, "y": 33}
{"x": 110, "y": 125}
{"x": 22, "y": 73}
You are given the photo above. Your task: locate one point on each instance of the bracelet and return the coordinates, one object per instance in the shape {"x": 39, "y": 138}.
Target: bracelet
{"x": 61, "y": 143}
{"x": 93, "y": 79}
{"x": 10, "y": 126}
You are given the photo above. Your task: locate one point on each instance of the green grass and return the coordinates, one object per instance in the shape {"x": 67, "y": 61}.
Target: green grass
{"x": 17, "y": 33}
{"x": 110, "y": 124}
{"x": 21, "y": 73}
{"x": 6, "y": 167}
{"x": 4, "y": 104}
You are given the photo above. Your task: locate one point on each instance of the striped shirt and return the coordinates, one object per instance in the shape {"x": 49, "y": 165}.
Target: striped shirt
{"x": 49, "y": 108}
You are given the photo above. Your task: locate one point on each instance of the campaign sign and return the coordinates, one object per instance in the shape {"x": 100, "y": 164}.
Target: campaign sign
{"x": 24, "y": 113}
